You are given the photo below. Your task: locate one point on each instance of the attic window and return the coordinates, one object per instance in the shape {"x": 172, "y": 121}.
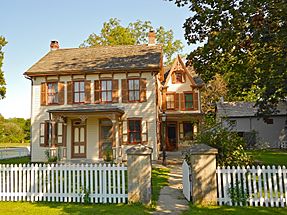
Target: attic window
{"x": 179, "y": 77}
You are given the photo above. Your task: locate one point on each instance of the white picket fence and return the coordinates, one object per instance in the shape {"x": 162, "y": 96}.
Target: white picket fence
{"x": 186, "y": 181}
{"x": 64, "y": 183}
{"x": 263, "y": 186}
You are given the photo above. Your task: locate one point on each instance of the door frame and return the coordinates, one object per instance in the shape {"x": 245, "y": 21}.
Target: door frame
{"x": 176, "y": 134}
{"x": 85, "y": 138}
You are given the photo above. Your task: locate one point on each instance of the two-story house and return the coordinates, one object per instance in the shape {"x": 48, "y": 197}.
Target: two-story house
{"x": 180, "y": 104}
{"x": 90, "y": 101}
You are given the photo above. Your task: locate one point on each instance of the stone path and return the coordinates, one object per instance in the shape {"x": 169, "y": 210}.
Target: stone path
{"x": 171, "y": 199}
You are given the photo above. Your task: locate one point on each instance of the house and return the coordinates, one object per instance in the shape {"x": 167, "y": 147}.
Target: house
{"x": 241, "y": 117}
{"x": 90, "y": 103}
{"x": 180, "y": 104}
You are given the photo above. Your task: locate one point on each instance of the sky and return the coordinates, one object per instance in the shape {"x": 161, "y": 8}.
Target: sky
{"x": 30, "y": 25}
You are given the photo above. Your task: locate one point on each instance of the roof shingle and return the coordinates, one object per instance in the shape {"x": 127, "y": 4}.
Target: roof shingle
{"x": 102, "y": 58}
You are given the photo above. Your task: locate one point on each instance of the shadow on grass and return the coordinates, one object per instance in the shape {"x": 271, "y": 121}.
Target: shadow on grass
{"x": 215, "y": 210}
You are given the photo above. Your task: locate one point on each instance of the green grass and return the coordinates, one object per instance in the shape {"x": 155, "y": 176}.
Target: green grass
{"x": 222, "y": 210}
{"x": 159, "y": 180}
{"x": 270, "y": 157}
{"x": 8, "y": 145}
{"x": 27, "y": 208}
{"x": 20, "y": 160}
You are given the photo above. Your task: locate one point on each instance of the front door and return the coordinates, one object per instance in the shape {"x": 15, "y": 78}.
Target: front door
{"x": 171, "y": 136}
{"x": 106, "y": 139}
{"x": 78, "y": 139}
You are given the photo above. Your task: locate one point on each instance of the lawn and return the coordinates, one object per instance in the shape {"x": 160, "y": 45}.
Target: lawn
{"x": 159, "y": 179}
{"x": 8, "y": 145}
{"x": 222, "y": 210}
{"x": 270, "y": 157}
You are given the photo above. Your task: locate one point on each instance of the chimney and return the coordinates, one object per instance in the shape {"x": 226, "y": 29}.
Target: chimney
{"x": 151, "y": 38}
{"x": 54, "y": 45}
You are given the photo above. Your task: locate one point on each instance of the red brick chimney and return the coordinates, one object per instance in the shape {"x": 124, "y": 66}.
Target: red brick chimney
{"x": 54, "y": 45}
{"x": 151, "y": 38}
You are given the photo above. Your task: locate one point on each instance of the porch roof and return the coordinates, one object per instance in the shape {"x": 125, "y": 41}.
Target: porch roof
{"x": 89, "y": 109}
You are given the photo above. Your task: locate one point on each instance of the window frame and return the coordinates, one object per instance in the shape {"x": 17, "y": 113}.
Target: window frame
{"x": 55, "y": 94}
{"x": 134, "y": 131}
{"x": 107, "y": 91}
{"x": 134, "y": 90}
{"x": 177, "y": 73}
{"x": 185, "y": 101}
{"x": 79, "y": 91}
{"x": 169, "y": 102}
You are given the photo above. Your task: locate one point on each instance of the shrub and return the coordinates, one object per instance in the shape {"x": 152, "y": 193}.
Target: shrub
{"x": 230, "y": 146}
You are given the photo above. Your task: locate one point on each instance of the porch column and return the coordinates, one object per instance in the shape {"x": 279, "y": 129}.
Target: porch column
{"x": 116, "y": 137}
{"x": 53, "y": 132}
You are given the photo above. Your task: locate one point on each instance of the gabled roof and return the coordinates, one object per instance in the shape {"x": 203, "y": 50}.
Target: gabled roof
{"x": 242, "y": 109}
{"x": 98, "y": 59}
{"x": 191, "y": 75}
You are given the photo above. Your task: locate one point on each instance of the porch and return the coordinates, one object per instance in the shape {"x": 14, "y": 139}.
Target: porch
{"x": 85, "y": 133}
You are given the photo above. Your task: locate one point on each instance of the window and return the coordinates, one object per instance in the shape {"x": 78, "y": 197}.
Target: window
{"x": 179, "y": 77}
{"x": 188, "y": 101}
{"x": 106, "y": 91}
{"x": 52, "y": 93}
{"x": 79, "y": 91}
{"x": 134, "y": 131}
{"x": 268, "y": 120}
{"x": 188, "y": 130}
{"x": 46, "y": 134}
{"x": 134, "y": 89}
{"x": 170, "y": 101}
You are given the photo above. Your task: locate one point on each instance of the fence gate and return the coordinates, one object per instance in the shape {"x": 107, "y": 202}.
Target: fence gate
{"x": 186, "y": 180}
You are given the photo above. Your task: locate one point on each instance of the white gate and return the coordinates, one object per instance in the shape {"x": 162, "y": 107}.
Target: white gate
{"x": 186, "y": 180}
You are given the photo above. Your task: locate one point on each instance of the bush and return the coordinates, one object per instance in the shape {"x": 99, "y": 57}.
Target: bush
{"x": 230, "y": 146}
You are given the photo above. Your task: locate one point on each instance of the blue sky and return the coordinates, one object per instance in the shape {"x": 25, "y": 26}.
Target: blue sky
{"x": 30, "y": 25}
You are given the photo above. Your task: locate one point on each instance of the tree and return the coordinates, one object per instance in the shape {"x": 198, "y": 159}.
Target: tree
{"x": 113, "y": 33}
{"x": 3, "y": 42}
{"x": 212, "y": 92}
{"x": 246, "y": 42}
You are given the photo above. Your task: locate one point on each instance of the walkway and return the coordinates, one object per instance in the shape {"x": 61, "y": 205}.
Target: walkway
{"x": 171, "y": 199}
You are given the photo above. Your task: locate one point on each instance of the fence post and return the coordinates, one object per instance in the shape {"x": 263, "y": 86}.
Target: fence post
{"x": 139, "y": 174}
{"x": 203, "y": 174}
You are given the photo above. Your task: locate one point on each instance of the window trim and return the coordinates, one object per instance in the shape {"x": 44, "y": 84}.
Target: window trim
{"x": 139, "y": 90}
{"x": 169, "y": 94}
{"x": 47, "y": 92}
{"x": 188, "y": 93}
{"x": 79, "y": 92}
{"x": 128, "y": 130}
{"x": 101, "y": 91}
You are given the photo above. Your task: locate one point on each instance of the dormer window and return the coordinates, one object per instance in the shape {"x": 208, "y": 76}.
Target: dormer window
{"x": 178, "y": 77}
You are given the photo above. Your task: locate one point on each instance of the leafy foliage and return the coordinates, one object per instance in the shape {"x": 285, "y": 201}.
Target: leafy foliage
{"x": 230, "y": 146}
{"x": 212, "y": 92}
{"x": 3, "y": 42}
{"x": 113, "y": 33}
{"x": 246, "y": 42}
{"x": 14, "y": 130}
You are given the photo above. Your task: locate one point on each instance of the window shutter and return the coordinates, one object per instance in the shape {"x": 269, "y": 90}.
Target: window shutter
{"x": 176, "y": 101}
{"x": 87, "y": 92}
{"x": 182, "y": 105}
{"x": 173, "y": 78}
{"x": 70, "y": 92}
{"x": 164, "y": 102}
{"x": 43, "y": 94}
{"x": 124, "y": 91}
{"x": 61, "y": 93}
{"x": 143, "y": 90}
{"x": 97, "y": 91}
{"x": 195, "y": 101}
{"x": 46, "y": 134}
{"x": 183, "y": 77}
{"x": 115, "y": 91}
